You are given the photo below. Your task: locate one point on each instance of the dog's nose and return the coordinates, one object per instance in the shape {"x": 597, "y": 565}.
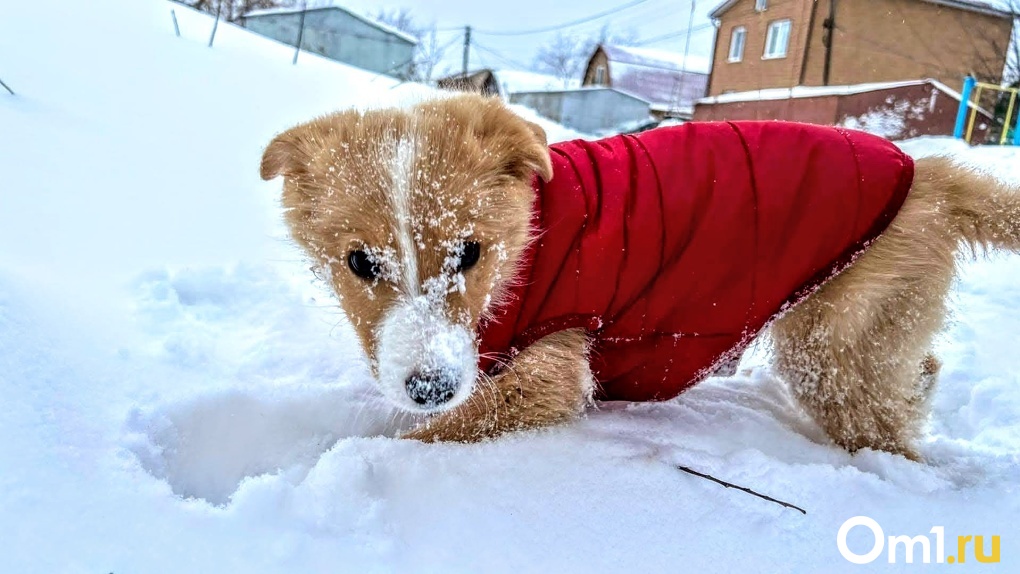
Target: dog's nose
{"x": 431, "y": 388}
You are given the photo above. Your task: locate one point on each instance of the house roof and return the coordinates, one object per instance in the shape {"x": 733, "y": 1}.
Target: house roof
{"x": 513, "y": 81}
{"x": 824, "y": 91}
{"x": 588, "y": 89}
{"x": 370, "y": 21}
{"x": 998, "y": 8}
{"x": 658, "y": 76}
{"x": 653, "y": 58}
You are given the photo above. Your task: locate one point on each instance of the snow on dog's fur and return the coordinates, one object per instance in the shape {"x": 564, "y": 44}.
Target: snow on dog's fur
{"x": 420, "y": 217}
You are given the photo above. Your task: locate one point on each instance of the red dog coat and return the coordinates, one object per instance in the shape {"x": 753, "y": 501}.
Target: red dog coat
{"x": 673, "y": 248}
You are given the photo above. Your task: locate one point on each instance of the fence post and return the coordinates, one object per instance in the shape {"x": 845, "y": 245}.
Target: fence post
{"x": 961, "y": 114}
{"x": 300, "y": 34}
{"x": 177, "y": 29}
{"x": 216, "y": 24}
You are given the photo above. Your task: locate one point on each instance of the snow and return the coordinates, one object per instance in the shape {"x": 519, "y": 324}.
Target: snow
{"x": 181, "y": 395}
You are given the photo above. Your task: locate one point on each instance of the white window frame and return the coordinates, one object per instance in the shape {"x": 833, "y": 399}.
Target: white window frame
{"x": 782, "y": 28}
{"x": 761, "y": 5}
{"x": 741, "y": 33}
{"x": 600, "y": 75}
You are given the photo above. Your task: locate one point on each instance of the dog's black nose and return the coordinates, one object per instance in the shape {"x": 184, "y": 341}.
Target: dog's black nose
{"x": 431, "y": 388}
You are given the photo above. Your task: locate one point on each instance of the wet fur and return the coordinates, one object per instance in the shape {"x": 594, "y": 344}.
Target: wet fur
{"x": 856, "y": 353}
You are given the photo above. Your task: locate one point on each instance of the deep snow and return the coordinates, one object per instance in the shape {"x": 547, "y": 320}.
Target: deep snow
{"x": 178, "y": 394}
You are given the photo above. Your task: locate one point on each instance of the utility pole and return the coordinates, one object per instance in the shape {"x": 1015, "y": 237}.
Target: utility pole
{"x": 467, "y": 49}
{"x": 683, "y": 70}
{"x": 830, "y": 30}
{"x": 301, "y": 31}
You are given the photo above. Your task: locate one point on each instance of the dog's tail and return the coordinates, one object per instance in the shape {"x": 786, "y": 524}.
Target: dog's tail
{"x": 983, "y": 211}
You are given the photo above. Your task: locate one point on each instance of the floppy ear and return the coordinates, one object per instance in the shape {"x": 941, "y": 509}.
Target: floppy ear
{"x": 278, "y": 156}
{"x": 523, "y": 143}
{"x": 537, "y": 156}
{"x": 289, "y": 153}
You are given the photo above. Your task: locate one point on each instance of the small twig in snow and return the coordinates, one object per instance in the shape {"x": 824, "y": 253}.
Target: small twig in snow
{"x": 747, "y": 490}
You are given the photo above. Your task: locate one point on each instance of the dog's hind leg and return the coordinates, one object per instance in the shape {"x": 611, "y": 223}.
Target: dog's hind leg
{"x": 548, "y": 383}
{"x": 856, "y": 353}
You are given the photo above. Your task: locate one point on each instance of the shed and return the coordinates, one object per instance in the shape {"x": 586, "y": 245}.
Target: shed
{"x": 338, "y": 34}
{"x": 591, "y": 110}
{"x": 894, "y": 110}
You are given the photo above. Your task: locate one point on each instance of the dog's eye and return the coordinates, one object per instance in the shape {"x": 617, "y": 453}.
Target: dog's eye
{"x": 362, "y": 266}
{"x": 468, "y": 259}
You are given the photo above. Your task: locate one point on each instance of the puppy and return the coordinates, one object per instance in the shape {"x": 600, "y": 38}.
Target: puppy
{"x": 498, "y": 284}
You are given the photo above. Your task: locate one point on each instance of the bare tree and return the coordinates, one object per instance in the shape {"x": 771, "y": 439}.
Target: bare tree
{"x": 429, "y": 51}
{"x": 562, "y": 57}
{"x": 566, "y": 55}
{"x": 233, "y": 10}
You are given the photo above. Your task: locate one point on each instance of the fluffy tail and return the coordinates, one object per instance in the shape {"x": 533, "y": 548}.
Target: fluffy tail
{"x": 983, "y": 211}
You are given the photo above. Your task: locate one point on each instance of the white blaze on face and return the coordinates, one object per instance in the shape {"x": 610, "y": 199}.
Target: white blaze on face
{"x": 416, "y": 337}
{"x": 402, "y": 176}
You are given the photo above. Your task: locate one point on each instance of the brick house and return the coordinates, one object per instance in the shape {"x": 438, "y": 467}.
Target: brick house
{"x": 762, "y": 44}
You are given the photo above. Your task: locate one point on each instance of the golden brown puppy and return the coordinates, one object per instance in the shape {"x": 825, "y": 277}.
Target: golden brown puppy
{"x": 421, "y": 216}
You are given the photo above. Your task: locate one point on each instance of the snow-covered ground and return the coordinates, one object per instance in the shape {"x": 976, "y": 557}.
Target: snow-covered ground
{"x": 177, "y": 393}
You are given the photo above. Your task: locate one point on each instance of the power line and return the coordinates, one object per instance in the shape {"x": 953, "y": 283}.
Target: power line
{"x": 563, "y": 25}
{"x": 499, "y": 56}
{"x": 676, "y": 34}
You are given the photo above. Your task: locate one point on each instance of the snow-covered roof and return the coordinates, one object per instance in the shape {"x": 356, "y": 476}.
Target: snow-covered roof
{"x": 823, "y": 91}
{"x": 654, "y": 58}
{"x": 998, "y": 8}
{"x": 588, "y": 89}
{"x": 370, "y": 21}
{"x": 514, "y": 81}
{"x": 658, "y": 76}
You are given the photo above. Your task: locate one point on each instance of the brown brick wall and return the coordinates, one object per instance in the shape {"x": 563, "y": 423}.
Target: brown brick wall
{"x": 875, "y": 41}
{"x": 889, "y": 40}
{"x": 754, "y": 72}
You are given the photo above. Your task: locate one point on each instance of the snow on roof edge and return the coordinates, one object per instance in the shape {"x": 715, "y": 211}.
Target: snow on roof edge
{"x": 799, "y": 92}
{"x": 370, "y": 21}
{"x": 587, "y": 89}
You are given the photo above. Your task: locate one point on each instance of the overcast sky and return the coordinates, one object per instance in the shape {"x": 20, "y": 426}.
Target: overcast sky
{"x": 647, "y": 19}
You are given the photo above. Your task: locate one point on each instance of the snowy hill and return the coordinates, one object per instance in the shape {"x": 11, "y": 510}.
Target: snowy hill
{"x": 179, "y": 395}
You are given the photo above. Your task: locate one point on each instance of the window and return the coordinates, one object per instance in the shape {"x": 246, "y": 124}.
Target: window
{"x": 737, "y": 38}
{"x": 761, "y": 5}
{"x": 600, "y": 75}
{"x": 777, "y": 39}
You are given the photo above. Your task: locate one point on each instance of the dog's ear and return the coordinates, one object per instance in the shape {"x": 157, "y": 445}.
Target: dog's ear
{"x": 289, "y": 153}
{"x": 277, "y": 157}
{"x": 523, "y": 143}
{"x": 538, "y": 156}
